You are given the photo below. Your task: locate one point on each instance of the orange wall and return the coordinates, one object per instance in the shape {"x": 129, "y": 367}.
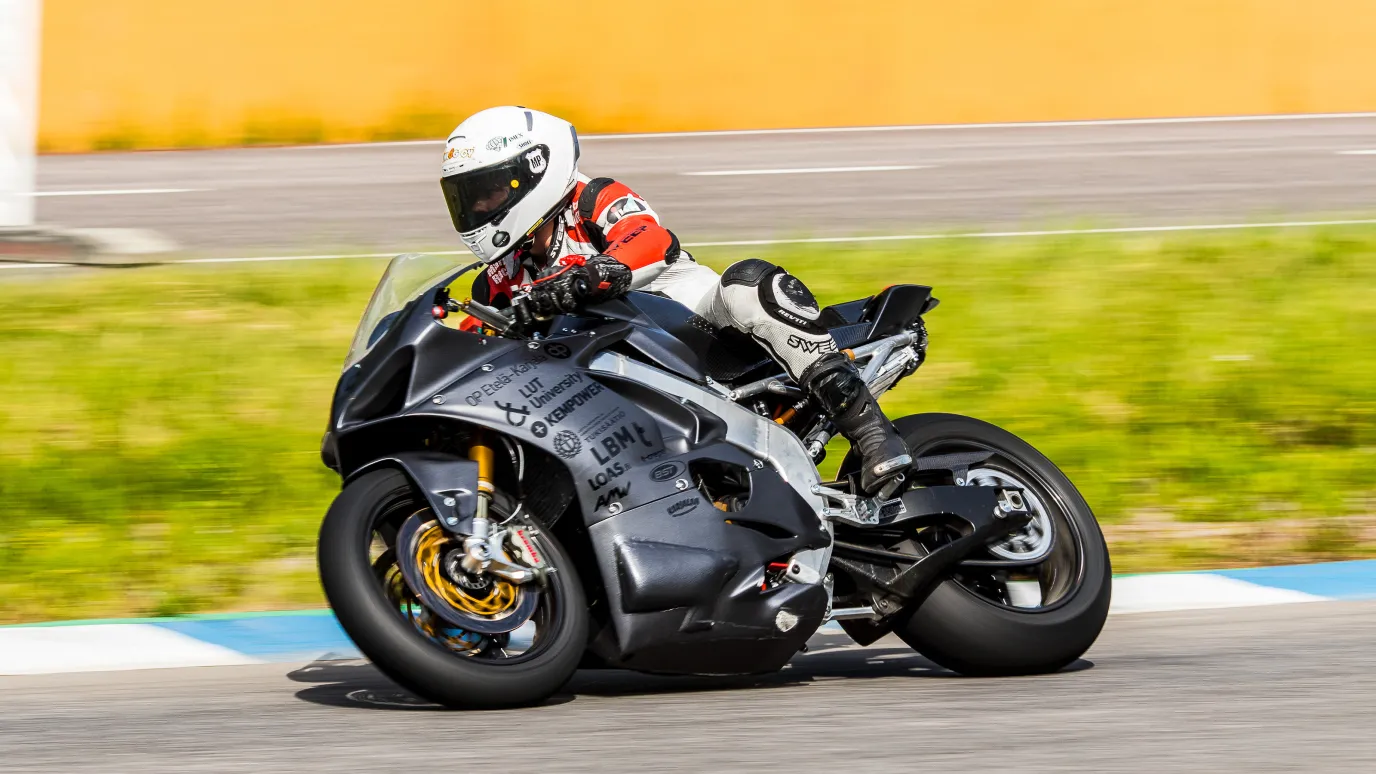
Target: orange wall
{"x": 144, "y": 73}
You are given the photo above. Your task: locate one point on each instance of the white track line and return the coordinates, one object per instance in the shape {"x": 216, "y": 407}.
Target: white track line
{"x": 118, "y": 192}
{"x": 797, "y": 171}
{"x": 4, "y": 266}
{"x": 1014, "y": 234}
{"x": 897, "y": 128}
{"x": 810, "y": 241}
{"x": 1357, "y": 153}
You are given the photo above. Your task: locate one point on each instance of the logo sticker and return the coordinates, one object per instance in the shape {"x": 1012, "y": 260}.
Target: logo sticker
{"x": 496, "y": 143}
{"x": 499, "y": 273}
{"x": 811, "y": 347}
{"x": 567, "y": 444}
{"x": 574, "y": 402}
{"x": 631, "y": 236}
{"x": 666, "y": 471}
{"x": 609, "y": 474}
{"x": 626, "y": 205}
{"x": 892, "y": 509}
{"x": 618, "y": 441}
{"x": 683, "y": 506}
{"x": 536, "y": 160}
{"x": 557, "y": 351}
{"x": 528, "y": 547}
{"x": 602, "y": 423}
{"x": 539, "y": 429}
{"x": 515, "y": 415}
{"x": 614, "y": 494}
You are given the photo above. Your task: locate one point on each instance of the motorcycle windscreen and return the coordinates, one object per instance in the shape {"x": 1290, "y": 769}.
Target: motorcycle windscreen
{"x": 406, "y": 278}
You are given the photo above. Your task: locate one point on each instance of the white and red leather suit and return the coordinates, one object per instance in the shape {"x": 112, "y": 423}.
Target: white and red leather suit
{"x": 605, "y": 217}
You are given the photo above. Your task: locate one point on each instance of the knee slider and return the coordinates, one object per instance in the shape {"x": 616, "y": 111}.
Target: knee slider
{"x": 788, "y": 300}
{"x": 782, "y": 297}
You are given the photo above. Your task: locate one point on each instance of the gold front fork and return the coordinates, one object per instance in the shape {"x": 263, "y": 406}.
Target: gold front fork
{"x": 480, "y": 452}
{"x": 480, "y": 555}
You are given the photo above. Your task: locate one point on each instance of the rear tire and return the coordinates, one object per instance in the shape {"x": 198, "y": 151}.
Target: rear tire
{"x": 402, "y": 652}
{"x": 974, "y": 635}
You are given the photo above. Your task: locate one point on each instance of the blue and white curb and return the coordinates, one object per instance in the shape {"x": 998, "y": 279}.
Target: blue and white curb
{"x": 1325, "y": 582}
{"x": 195, "y": 641}
{"x": 228, "y": 640}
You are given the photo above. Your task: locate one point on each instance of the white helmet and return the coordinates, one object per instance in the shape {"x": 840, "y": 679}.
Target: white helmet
{"x": 505, "y": 171}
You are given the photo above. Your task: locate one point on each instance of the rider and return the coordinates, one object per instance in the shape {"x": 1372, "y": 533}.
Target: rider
{"x": 510, "y": 178}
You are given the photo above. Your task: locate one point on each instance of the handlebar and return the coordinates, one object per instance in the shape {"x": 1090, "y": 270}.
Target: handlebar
{"x": 503, "y": 321}
{"x": 512, "y": 320}
{"x": 497, "y": 319}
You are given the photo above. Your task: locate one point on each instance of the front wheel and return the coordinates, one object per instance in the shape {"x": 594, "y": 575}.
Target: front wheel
{"x": 1030, "y": 603}
{"x": 492, "y": 663}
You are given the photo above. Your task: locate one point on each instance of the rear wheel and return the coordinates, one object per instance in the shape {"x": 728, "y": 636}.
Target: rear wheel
{"x": 524, "y": 642}
{"x": 1030, "y": 603}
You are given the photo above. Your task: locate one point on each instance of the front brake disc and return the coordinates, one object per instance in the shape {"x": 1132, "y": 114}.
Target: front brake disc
{"x": 496, "y": 607}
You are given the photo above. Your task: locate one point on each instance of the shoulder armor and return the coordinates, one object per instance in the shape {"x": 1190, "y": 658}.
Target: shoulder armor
{"x": 587, "y": 201}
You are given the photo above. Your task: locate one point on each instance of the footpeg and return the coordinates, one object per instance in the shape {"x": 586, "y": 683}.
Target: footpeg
{"x": 891, "y": 488}
{"x": 857, "y": 510}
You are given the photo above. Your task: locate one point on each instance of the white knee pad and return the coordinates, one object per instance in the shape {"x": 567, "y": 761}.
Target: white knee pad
{"x": 775, "y": 308}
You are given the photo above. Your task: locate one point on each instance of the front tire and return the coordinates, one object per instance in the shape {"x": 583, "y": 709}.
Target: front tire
{"x": 398, "y": 648}
{"x": 964, "y": 625}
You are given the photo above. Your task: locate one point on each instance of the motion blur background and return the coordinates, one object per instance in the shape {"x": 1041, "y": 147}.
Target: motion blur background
{"x": 1112, "y": 291}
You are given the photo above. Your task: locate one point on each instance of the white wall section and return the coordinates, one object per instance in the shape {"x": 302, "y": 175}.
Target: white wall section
{"x": 19, "y": 38}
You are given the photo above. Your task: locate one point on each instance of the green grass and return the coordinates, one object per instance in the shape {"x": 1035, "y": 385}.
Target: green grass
{"x": 159, "y": 427}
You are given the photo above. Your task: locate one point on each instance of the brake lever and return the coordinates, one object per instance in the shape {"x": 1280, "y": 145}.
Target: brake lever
{"x": 489, "y": 316}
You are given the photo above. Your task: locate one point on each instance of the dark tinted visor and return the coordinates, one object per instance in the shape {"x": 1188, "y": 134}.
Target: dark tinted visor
{"x": 483, "y": 195}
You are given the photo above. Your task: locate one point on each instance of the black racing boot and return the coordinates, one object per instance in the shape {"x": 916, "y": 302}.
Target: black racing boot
{"x": 836, "y": 387}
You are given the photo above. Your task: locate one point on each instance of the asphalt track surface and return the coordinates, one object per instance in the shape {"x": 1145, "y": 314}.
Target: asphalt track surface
{"x": 385, "y": 198}
{"x": 1283, "y": 688}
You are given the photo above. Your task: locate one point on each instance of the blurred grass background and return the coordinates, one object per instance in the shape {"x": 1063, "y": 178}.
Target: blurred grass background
{"x": 1212, "y": 394}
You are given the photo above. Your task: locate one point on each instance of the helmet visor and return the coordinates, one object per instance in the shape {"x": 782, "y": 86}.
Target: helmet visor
{"x": 484, "y": 195}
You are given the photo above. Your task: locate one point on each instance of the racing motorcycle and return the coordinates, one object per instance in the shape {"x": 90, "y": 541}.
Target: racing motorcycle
{"x": 630, "y": 487}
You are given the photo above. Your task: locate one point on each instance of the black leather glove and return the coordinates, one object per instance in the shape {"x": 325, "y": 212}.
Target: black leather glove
{"x": 558, "y": 293}
{"x": 597, "y": 279}
{"x": 607, "y": 278}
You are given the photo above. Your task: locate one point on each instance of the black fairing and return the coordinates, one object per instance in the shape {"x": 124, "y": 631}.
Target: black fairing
{"x": 670, "y": 334}
{"x": 449, "y": 483}
{"x": 682, "y": 578}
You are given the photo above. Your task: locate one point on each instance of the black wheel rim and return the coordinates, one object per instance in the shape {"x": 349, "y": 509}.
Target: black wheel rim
{"x": 1058, "y": 577}
{"x": 526, "y": 643}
